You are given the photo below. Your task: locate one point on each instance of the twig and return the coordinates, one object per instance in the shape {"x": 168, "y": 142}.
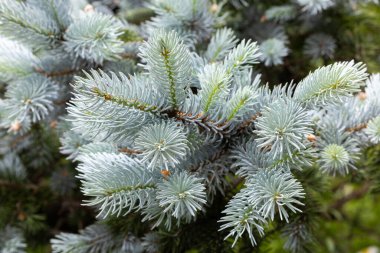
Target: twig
{"x": 56, "y": 74}
{"x": 130, "y": 151}
{"x": 357, "y": 194}
{"x": 18, "y": 185}
{"x": 357, "y": 128}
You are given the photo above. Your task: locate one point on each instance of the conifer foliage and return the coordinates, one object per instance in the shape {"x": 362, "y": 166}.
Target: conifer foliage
{"x": 165, "y": 118}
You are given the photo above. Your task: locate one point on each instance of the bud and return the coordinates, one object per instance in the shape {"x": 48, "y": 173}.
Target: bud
{"x": 89, "y": 8}
{"x": 165, "y": 173}
{"x": 214, "y": 8}
{"x": 27, "y": 101}
{"x": 311, "y": 138}
{"x": 362, "y": 96}
{"x": 107, "y": 96}
{"x": 21, "y": 216}
{"x": 263, "y": 19}
{"x": 15, "y": 126}
{"x": 53, "y": 124}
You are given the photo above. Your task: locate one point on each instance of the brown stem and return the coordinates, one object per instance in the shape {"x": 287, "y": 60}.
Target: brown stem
{"x": 249, "y": 121}
{"x": 205, "y": 120}
{"x": 357, "y": 128}
{"x": 356, "y": 194}
{"x": 128, "y": 56}
{"x": 17, "y": 185}
{"x": 130, "y": 151}
{"x": 56, "y": 74}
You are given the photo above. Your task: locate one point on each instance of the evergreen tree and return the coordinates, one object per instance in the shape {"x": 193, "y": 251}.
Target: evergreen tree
{"x": 175, "y": 138}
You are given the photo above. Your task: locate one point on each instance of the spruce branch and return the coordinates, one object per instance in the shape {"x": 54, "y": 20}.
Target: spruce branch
{"x": 29, "y": 99}
{"x": 314, "y": 7}
{"x": 320, "y": 45}
{"x": 168, "y": 62}
{"x": 273, "y": 191}
{"x": 94, "y": 38}
{"x": 244, "y": 54}
{"x": 298, "y": 234}
{"x": 182, "y": 195}
{"x": 108, "y": 106}
{"x": 124, "y": 185}
{"x": 214, "y": 83}
{"x": 163, "y": 145}
{"x": 373, "y": 130}
{"x": 27, "y": 23}
{"x": 16, "y": 60}
{"x": 191, "y": 19}
{"x": 331, "y": 83}
{"x": 281, "y": 13}
{"x": 12, "y": 240}
{"x": 284, "y": 124}
{"x": 94, "y": 238}
{"x": 165, "y": 141}
{"x": 221, "y": 43}
{"x": 241, "y": 104}
{"x": 339, "y": 151}
{"x": 273, "y": 51}
{"x": 241, "y": 217}
{"x": 11, "y": 168}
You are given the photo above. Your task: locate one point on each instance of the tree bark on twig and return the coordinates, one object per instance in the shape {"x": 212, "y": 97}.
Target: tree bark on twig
{"x": 356, "y": 194}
